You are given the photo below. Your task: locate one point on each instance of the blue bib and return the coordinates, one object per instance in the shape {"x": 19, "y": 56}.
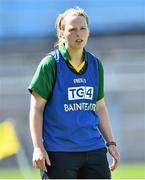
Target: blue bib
{"x": 70, "y": 121}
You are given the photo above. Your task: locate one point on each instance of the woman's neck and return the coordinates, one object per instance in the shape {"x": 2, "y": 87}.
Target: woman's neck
{"x": 76, "y": 55}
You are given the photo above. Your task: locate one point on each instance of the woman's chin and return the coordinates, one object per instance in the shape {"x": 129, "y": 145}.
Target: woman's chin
{"x": 78, "y": 46}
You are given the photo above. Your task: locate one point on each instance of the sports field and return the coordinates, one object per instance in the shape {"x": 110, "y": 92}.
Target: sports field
{"x": 126, "y": 171}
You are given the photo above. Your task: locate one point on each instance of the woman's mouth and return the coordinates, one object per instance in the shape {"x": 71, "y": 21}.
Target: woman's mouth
{"x": 79, "y": 41}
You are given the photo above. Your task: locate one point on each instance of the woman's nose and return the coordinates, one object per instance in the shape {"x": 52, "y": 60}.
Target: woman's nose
{"x": 78, "y": 32}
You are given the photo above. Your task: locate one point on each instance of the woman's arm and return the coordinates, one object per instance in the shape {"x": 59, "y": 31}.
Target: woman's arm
{"x": 104, "y": 124}
{"x": 105, "y": 129}
{"x": 36, "y": 122}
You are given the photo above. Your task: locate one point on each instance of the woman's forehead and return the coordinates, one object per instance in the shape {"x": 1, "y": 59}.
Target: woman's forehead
{"x": 74, "y": 19}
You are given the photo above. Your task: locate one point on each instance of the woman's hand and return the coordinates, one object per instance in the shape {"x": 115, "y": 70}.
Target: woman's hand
{"x": 115, "y": 156}
{"x": 40, "y": 158}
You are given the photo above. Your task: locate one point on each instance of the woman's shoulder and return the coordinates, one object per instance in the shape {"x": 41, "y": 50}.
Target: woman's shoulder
{"x": 90, "y": 55}
{"x": 47, "y": 61}
{"x": 95, "y": 59}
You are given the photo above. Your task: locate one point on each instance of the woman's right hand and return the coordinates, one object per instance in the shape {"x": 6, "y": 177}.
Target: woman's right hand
{"x": 40, "y": 158}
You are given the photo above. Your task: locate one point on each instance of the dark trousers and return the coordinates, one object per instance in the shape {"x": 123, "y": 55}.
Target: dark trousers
{"x": 78, "y": 165}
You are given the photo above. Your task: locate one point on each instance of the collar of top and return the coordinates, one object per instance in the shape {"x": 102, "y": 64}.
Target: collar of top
{"x": 66, "y": 55}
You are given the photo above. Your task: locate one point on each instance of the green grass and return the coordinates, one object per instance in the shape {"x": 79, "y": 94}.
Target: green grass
{"x": 17, "y": 174}
{"x": 129, "y": 171}
{"x": 124, "y": 171}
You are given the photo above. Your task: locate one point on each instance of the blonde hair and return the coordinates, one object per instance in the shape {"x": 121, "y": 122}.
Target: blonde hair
{"x": 60, "y": 25}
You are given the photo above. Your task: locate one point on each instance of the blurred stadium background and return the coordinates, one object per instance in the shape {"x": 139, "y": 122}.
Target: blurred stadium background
{"x": 27, "y": 34}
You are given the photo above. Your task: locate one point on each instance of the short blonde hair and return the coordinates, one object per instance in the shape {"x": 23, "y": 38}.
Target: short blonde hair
{"x": 60, "y": 20}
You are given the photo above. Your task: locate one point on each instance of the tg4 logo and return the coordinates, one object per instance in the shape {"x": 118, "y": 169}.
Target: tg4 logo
{"x": 82, "y": 92}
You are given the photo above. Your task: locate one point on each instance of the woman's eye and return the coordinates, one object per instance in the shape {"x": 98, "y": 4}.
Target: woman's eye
{"x": 83, "y": 28}
{"x": 73, "y": 29}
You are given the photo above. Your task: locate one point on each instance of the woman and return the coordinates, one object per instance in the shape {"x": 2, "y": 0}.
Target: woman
{"x": 69, "y": 122}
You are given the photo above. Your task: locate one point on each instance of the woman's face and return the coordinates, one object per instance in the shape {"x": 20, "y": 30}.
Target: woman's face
{"x": 75, "y": 32}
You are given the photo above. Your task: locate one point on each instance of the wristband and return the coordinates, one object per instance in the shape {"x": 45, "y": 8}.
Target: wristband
{"x": 111, "y": 143}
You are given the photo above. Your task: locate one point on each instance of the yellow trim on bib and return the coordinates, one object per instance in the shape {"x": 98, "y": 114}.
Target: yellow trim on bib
{"x": 77, "y": 68}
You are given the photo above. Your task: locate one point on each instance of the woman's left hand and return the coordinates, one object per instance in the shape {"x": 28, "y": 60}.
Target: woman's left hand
{"x": 115, "y": 156}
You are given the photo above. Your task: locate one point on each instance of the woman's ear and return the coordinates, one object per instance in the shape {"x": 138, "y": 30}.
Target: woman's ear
{"x": 62, "y": 34}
